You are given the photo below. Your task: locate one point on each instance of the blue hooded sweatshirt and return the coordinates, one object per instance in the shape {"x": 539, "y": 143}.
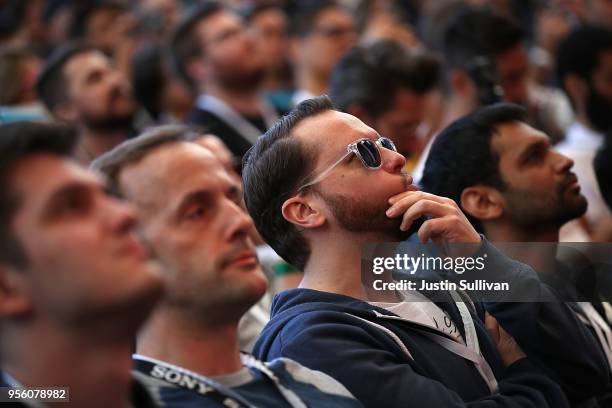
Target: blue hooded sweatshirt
{"x": 394, "y": 363}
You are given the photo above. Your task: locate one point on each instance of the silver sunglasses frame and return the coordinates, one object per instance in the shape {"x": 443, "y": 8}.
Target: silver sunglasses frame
{"x": 351, "y": 149}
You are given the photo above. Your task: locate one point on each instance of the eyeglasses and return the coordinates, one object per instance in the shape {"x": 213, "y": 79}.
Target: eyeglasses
{"x": 368, "y": 152}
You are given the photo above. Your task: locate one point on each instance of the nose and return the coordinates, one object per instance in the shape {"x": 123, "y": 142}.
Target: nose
{"x": 393, "y": 162}
{"x": 118, "y": 79}
{"x": 121, "y": 217}
{"x": 563, "y": 163}
{"x": 239, "y": 223}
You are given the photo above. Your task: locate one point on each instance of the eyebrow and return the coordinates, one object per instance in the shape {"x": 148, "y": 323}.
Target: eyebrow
{"x": 204, "y": 196}
{"x": 74, "y": 188}
{"x": 193, "y": 197}
{"x": 539, "y": 144}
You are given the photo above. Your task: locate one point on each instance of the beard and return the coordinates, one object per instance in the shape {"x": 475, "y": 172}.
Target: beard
{"x": 238, "y": 80}
{"x": 108, "y": 123}
{"x": 599, "y": 110}
{"x": 361, "y": 216}
{"x": 112, "y": 120}
{"x": 528, "y": 210}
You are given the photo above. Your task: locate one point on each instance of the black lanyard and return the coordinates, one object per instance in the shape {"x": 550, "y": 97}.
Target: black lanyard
{"x": 185, "y": 379}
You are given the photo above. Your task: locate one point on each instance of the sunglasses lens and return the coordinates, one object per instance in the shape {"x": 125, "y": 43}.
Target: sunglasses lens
{"x": 369, "y": 153}
{"x": 387, "y": 144}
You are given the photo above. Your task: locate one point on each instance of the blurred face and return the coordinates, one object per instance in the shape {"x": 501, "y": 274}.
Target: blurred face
{"x": 229, "y": 51}
{"x": 270, "y": 30}
{"x": 100, "y": 95}
{"x": 513, "y": 70}
{"x": 108, "y": 27}
{"x": 30, "y": 69}
{"x": 331, "y": 36}
{"x": 400, "y": 122}
{"x": 192, "y": 219}
{"x": 354, "y": 196}
{"x": 599, "y": 98}
{"x": 541, "y": 189}
{"x": 84, "y": 261}
{"x": 599, "y": 12}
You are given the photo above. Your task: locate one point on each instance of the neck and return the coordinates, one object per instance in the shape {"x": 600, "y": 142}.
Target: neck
{"x": 455, "y": 108}
{"x": 507, "y": 232}
{"x": 335, "y": 265}
{"x": 84, "y": 363}
{"x": 541, "y": 258}
{"x": 244, "y": 101}
{"x": 207, "y": 349}
{"x": 93, "y": 143}
{"x": 308, "y": 81}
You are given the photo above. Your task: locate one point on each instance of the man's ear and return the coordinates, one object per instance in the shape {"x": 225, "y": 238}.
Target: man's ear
{"x": 482, "y": 202}
{"x": 302, "y": 212}
{"x": 15, "y": 299}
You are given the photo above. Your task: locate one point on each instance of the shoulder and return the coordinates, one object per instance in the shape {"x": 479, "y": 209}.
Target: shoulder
{"x": 297, "y": 372}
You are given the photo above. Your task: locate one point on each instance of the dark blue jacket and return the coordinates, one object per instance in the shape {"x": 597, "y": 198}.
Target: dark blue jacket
{"x": 320, "y": 330}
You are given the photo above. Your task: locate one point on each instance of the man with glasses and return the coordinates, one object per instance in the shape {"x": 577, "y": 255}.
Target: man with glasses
{"x": 321, "y": 33}
{"x": 319, "y": 185}
{"x": 193, "y": 220}
{"x": 214, "y": 55}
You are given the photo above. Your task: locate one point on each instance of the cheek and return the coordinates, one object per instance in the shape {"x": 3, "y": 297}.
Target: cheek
{"x": 185, "y": 250}
{"x": 67, "y": 274}
{"x": 64, "y": 248}
{"x": 92, "y": 101}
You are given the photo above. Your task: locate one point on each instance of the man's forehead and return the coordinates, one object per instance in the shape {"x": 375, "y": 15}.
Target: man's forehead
{"x": 41, "y": 174}
{"x": 333, "y": 127}
{"x": 85, "y": 61}
{"x": 208, "y": 27}
{"x": 515, "y": 136}
{"x": 333, "y": 14}
{"x": 170, "y": 169}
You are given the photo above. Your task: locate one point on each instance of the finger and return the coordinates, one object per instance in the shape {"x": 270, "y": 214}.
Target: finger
{"x": 418, "y": 195}
{"x": 421, "y": 207}
{"x": 435, "y": 227}
{"x": 424, "y": 208}
{"x": 451, "y": 228}
{"x": 410, "y": 190}
{"x": 492, "y": 327}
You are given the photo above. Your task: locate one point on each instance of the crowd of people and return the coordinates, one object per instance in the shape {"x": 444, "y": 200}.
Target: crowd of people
{"x": 187, "y": 188}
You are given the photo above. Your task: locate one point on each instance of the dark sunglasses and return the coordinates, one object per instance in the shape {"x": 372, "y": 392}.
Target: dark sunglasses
{"x": 368, "y": 152}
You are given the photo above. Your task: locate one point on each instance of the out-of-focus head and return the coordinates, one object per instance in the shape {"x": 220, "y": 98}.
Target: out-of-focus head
{"x": 384, "y": 85}
{"x": 322, "y": 32}
{"x": 351, "y": 198}
{"x": 270, "y": 26}
{"x": 156, "y": 87}
{"x": 191, "y": 218}
{"x": 80, "y": 85}
{"x": 495, "y": 167}
{"x": 212, "y": 46}
{"x": 584, "y": 69}
{"x": 69, "y": 254}
{"x": 220, "y": 150}
{"x": 476, "y": 32}
{"x": 102, "y": 23}
{"x": 599, "y": 12}
{"x": 19, "y": 68}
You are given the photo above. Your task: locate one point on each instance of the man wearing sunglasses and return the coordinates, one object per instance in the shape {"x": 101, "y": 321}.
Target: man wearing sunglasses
{"x": 319, "y": 184}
